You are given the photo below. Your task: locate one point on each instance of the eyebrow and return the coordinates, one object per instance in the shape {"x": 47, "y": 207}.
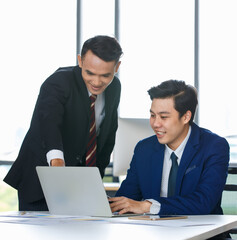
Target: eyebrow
{"x": 164, "y": 112}
{"x": 88, "y": 71}
{"x": 104, "y": 74}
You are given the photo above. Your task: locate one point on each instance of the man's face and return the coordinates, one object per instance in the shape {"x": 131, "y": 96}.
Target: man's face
{"x": 169, "y": 128}
{"x": 96, "y": 73}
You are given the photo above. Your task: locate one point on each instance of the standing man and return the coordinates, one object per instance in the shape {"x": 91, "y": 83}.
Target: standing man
{"x": 59, "y": 134}
{"x": 182, "y": 169}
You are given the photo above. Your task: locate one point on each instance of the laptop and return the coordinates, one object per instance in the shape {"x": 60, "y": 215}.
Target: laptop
{"x": 75, "y": 191}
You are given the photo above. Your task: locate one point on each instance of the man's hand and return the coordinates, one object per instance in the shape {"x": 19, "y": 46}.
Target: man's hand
{"x": 57, "y": 162}
{"x": 126, "y": 205}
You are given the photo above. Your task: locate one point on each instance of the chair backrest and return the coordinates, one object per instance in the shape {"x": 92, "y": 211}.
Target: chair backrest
{"x": 229, "y": 196}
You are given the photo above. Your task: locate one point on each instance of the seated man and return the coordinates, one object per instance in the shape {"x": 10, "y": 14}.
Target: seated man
{"x": 193, "y": 180}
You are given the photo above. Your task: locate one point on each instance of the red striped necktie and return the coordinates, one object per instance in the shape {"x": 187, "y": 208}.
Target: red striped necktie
{"x": 91, "y": 145}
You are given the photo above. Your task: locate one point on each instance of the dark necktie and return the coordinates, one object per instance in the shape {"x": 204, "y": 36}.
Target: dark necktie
{"x": 91, "y": 146}
{"x": 173, "y": 175}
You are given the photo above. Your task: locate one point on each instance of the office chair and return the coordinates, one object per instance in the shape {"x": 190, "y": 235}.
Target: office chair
{"x": 229, "y": 197}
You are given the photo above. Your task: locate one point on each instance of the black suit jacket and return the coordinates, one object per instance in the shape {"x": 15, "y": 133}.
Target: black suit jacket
{"x": 61, "y": 121}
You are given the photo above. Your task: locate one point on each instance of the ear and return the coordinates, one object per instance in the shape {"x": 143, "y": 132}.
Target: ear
{"x": 117, "y": 66}
{"x": 187, "y": 116}
{"x": 79, "y": 60}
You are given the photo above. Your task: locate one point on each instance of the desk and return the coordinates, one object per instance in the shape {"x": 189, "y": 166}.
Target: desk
{"x": 107, "y": 229}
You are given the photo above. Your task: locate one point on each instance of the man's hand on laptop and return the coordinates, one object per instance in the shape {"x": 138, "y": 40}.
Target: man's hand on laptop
{"x": 126, "y": 205}
{"x": 57, "y": 162}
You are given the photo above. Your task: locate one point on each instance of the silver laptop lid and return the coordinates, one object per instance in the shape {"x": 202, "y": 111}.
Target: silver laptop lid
{"x": 74, "y": 191}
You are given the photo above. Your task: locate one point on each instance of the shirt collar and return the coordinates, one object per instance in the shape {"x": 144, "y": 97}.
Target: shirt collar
{"x": 98, "y": 96}
{"x": 179, "y": 151}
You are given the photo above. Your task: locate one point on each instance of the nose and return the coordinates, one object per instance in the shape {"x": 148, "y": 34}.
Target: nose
{"x": 96, "y": 80}
{"x": 155, "y": 122}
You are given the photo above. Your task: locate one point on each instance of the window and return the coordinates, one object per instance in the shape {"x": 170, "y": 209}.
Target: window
{"x": 37, "y": 37}
{"x": 157, "y": 38}
{"x": 218, "y": 51}
{"x": 97, "y": 18}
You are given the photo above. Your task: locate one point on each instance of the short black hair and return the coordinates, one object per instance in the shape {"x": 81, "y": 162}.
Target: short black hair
{"x": 105, "y": 47}
{"x": 185, "y": 96}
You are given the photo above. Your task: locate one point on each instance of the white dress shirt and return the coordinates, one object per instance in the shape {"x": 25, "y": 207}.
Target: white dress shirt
{"x": 155, "y": 206}
{"x": 99, "y": 117}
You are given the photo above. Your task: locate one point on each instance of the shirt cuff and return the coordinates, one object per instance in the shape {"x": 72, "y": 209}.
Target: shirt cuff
{"x": 52, "y": 154}
{"x": 155, "y": 206}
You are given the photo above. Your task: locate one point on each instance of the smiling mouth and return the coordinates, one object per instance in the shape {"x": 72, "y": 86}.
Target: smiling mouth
{"x": 159, "y": 133}
{"x": 96, "y": 87}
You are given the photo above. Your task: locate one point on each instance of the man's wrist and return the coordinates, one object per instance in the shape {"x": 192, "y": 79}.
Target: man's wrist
{"x": 57, "y": 162}
{"x": 146, "y": 206}
{"x": 154, "y": 207}
{"x": 54, "y": 154}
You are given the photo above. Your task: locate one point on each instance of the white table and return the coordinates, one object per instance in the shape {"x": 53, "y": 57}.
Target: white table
{"x": 107, "y": 229}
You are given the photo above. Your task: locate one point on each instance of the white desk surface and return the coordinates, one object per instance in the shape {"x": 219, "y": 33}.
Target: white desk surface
{"x": 194, "y": 227}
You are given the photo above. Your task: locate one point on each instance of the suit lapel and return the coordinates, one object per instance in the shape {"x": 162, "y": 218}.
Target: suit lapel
{"x": 157, "y": 161}
{"x": 189, "y": 153}
{"x": 82, "y": 90}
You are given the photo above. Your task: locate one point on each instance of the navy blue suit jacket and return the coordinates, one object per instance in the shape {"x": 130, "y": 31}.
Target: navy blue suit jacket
{"x": 201, "y": 176}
